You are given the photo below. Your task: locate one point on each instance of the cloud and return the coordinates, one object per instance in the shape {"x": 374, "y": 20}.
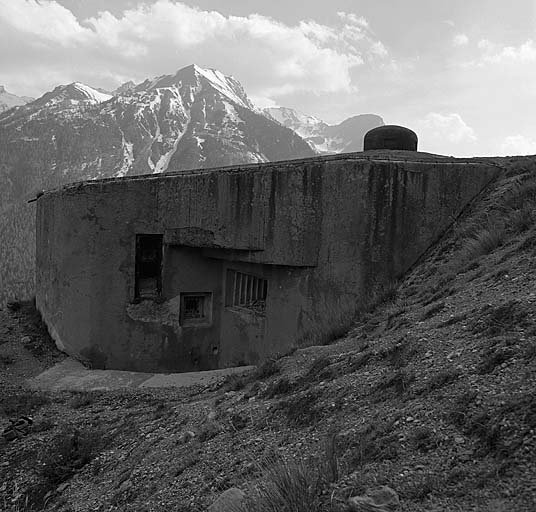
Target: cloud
{"x": 269, "y": 57}
{"x": 518, "y": 145}
{"x": 496, "y": 54}
{"x": 460, "y": 40}
{"x": 445, "y": 133}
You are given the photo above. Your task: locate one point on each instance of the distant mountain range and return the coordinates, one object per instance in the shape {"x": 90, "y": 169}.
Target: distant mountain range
{"x": 8, "y": 100}
{"x": 344, "y": 137}
{"x": 193, "y": 119}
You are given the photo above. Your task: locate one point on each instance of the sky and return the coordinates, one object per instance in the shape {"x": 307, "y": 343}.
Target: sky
{"x": 460, "y": 73}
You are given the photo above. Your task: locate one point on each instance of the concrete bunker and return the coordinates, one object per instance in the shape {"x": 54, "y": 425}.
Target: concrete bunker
{"x": 214, "y": 268}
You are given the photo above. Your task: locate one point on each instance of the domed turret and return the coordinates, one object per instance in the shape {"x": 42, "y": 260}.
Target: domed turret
{"x": 390, "y": 137}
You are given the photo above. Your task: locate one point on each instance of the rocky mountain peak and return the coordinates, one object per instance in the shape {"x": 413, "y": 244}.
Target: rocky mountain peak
{"x": 193, "y": 78}
{"x": 2, "y": 89}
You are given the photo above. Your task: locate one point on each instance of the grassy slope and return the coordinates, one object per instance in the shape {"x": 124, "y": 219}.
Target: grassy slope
{"x": 432, "y": 393}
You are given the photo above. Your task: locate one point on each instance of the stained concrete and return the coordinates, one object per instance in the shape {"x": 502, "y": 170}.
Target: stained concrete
{"x": 324, "y": 232}
{"x": 71, "y": 375}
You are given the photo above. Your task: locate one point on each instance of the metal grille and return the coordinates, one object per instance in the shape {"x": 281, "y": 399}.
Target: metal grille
{"x": 246, "y": 290}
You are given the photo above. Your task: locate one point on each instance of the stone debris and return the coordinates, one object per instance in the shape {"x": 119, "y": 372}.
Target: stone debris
{"x": 383, "y": 499}
{"x": 18, "y": 428}
{"x": 228, "y": 501}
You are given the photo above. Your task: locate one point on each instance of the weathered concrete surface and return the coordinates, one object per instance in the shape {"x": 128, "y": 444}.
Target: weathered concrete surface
{"x": 71, "y": 375}
{"x": 323, "y": 231}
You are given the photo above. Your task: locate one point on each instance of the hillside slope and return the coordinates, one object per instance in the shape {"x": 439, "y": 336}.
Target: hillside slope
{"x": 431, "y": 392}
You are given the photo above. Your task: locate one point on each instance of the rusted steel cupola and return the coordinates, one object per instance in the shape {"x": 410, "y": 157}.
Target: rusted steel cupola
{"x": 390, "y": 137}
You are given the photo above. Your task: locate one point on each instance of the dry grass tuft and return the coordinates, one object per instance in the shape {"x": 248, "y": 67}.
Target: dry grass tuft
{"x": 287, "y": 485}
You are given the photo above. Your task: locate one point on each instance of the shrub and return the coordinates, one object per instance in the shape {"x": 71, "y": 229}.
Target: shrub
{"x": 493, "y": 357}
{"x": 432, "y": 310}
{"x": 68, "y": 452}
{"x": 81, "y": 399}
{"x": 287, "y": 485}
{"x": 421, "y": 486}
{"x": 359, "y": 362}
{"x": 373, "y": 443}
{"x": 22, "y": 402}
{"x": 301, "y": 409}
{"x": 496, "y": 320}
{"x": 319, "y": 370}
{"x": 399, "y": 382}
{"x": 460, "y": 411}
{"x": 281, "y": 386}
{"x": 460, "y": 317}
{"x": 439, "y": 380}
{"x": 236, "y": 382}
{"x": 424, "y": 439}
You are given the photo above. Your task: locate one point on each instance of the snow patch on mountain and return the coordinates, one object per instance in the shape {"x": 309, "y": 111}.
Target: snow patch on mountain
{"x": 225, "y": 85}
{"x": 91, "y": 94}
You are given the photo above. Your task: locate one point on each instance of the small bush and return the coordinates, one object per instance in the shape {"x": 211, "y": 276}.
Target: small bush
{"x": 373, "y": 443}
{"x": 493, "y": 357}
{"x": 424, "y": 439}
{"x": 81, "y": 399}
{"x": 236, "y": 382}
{"x": 496, "y": 320}
{"x": 319, "y": 370}
{"x": 432, "y": 310}
{"x": 6, "y": 360}
{"x": 359, "y": 362}
{"x": 282, "y": 386}
{"x": 287, "y": 485}
{"x": 421, "y": 486}
{"x": 460, "y": 317}
{"x": 399, "y": 354}
{"x": 209, "y": 430}
{"x": 301, "y": 409}
{"x": 460, "y": 409}
{"x": 439, "y": 380}
{"x": 267, "y": 369}
{"x": 484, "y": 242}
{"x": 68, "y": 452}
{"x": 22, "y": 402}
{"x": 399, "y": 382}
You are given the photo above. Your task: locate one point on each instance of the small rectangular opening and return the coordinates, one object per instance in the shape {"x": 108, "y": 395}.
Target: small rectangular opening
{"x": 148, "y": 266}
{"x": 246, "y": 291}
{"x": 196, "y": 309}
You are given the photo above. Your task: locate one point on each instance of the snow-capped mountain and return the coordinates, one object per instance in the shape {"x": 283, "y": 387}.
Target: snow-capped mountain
{"x": 191, "y": 119}
{"x": 8, "y": 100}
{"x": 322, "y": 137}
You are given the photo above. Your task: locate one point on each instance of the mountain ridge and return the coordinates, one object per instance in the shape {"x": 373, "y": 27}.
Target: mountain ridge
{"x": 9, "y": 100}
{"x": 324, "y": 138}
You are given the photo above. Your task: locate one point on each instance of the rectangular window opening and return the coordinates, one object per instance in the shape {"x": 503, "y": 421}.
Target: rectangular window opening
{"x": 246, "y": 291}
{"x": 196, "y": 308}
{"x": 148, "y": 266}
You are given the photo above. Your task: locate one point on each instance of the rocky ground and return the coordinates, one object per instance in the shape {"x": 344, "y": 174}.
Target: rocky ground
{"x": 431, "y": 393}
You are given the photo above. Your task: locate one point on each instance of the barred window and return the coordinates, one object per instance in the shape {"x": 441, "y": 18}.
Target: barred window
{"x": 246, "y": 290}
{"x": 196, "y": 308}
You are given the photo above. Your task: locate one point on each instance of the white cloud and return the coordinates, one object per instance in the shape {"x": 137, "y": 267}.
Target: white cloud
{"x": 269, "y": 57}
{"x": 460, "y": 40}
{"x": 518, "y": 145}
{"x": 496, "y": 54}
{"x": 445, "y": 133}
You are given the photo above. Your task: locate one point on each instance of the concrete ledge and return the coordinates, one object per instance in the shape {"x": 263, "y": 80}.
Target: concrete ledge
{"x": 71, "y": 375}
